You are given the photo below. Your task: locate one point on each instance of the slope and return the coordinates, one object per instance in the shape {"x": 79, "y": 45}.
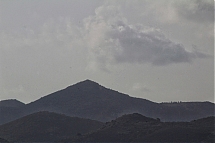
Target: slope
{"x": 3, "y": 140}
{"x": 138, "y": 128}
{"x": 10, "y": 110}
{"x": 88, "y": 99}
{"x": 46, "y": 126}
{"x": 11, "y": 103}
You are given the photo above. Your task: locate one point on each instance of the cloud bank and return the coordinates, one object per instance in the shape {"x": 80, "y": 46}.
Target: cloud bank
{"x": 112, "y": 40}
{"x": 109, "y": 39}
{"x": 200, "y": 11}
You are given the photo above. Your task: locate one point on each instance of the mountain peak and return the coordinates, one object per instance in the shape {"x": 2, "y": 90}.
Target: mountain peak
{"x": 86, "y": 84}
{"x": 88, "y": 81}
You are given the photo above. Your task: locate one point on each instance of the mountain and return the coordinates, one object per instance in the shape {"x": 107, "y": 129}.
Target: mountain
{"x": 3, "y": 140}
{"x": 51, "y": 127}
{"x": 11, "y": 103}
{"x": 138, "y": 128}
{"x": 187, "y": 111}
{"x": 88, "y": 99}
{"x": 10, "y": 110}
{"x": 45, "y": 127}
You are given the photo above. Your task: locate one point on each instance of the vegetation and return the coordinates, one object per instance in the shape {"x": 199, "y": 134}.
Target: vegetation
{"x": 52, "y": 127}
{"x": 138, "y": 128}
{"x": 46, "y": 126}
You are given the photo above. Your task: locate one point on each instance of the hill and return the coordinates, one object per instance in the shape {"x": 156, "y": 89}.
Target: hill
{"x": 138, "y": 128}
{"x": 3, "y": 140}
{"x": 46, "y": 126}
{"x": 187, "y": 111}
{"x": 11, "y": 103}
{"x": 10, "y": 110}
{"x": 88, "y": 99}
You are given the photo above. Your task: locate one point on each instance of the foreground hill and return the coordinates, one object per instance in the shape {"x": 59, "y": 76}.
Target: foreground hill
{"x": 138, "y": 128}
{"x": 46, "y": 126}
{"x": 88, "y": 99}
{"x": 3, "y": 140}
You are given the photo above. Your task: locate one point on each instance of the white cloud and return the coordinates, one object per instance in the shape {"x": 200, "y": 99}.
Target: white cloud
{"x": 61, "y": 33}
{"x": 111, "y": 40}
{"x": 43, "y": 55}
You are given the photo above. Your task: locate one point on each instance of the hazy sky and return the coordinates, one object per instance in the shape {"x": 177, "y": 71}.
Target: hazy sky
{"x": 158, "y": 50}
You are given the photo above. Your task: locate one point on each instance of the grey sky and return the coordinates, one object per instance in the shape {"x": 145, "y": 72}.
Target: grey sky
{"x": 158, "y": 50}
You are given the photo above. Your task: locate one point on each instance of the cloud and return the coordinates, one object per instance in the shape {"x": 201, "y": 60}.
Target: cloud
{"x": 169, "y": 11}
{"x": 111, "y": 40}
{"x": 196, "y": 10}
{"x": 140, "y": 87}
{"x": 39, "y": 56}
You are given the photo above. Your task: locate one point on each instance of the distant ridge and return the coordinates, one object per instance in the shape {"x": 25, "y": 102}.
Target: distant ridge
{"x": 88, "y": 99}
{"x": 10, "y": 110}
{"x": 11, "y": 103}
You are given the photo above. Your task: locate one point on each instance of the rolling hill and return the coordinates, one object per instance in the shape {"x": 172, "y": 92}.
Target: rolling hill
{"x": 138, "y": 128}
{"x": 51, "y": 127}
{"x": 3, "y": 140}
{"x": 46, "y": 126}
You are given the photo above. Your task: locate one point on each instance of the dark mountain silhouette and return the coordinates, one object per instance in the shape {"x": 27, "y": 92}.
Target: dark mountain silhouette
{"x": 88, "y": 99}
{"x": 138, "y": 128}
{"x": 51, "y": 127}
{"x": 10, "y": 110}
{"x": 11, "y": 103}
{"x": 187, "y": 111}
{"x": 46, "y": 127}
{"x": 3, "y": 140}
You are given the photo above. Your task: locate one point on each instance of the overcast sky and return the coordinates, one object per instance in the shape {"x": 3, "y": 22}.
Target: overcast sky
{"x": 158, "y": 50}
